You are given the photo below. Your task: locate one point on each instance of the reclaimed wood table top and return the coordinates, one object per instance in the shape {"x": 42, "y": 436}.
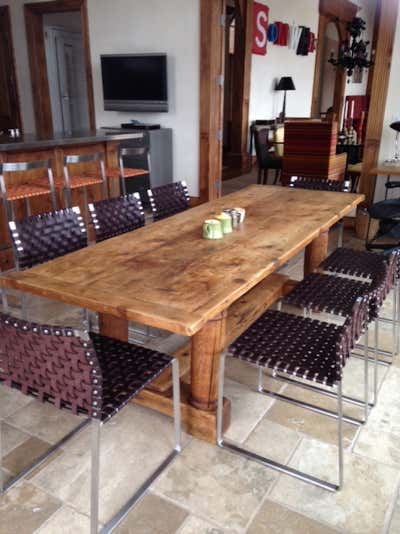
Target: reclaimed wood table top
{"x": 167, "y": 276}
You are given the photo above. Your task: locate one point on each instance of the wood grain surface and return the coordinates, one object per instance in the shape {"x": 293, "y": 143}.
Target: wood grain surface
{"x": 166, "y": 275}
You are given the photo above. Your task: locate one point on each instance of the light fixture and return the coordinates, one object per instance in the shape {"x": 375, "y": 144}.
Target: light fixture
{"x": 396, "y": 158}
{"x": 285, "y": 84}
{"x": 353, "y": 51}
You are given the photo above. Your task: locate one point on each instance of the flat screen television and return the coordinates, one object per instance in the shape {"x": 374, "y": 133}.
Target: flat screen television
{"x": 135, "y": 82}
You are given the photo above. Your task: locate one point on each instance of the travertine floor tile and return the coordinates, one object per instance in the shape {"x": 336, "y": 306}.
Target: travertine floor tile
{"x": 273, "y": 441}
{"x": 24, "y": 508}
{"x": 44, "y": 421}
{"x": 248, "y": 407}
{"x": 132, "y": 445}
{"x": 11, "y": 437}
{"x": 385, "y": 417}
{"x": 380, "y": 446}
{"x": 361, "y": 505}
{"x": 66, "y": 521}
{"x": 11, "y": 401}
{"x": 394, "y": 527}
{"x": 25, "y": 454}
{"x": 312, "y": 424}
{"x": 246, "y": 374}
{"x": 217, "y": 484}
{"x": 195, "y": 525}
{"x": 152, "y": 514}
{"x": 276, "y": 519}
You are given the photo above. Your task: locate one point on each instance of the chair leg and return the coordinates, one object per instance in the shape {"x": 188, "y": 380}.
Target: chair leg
{"x": 24, "y": 306}
{"x": 123, "y": 186}
{"x": 259, "y": 176}
{"x": 366, "y": 385}
{"x": 95, "y": 477}
{"x": 376, "y": 361}
{"x": 177, "y": 404}
{"x": 394, "y": 324}
{"x": 340, "y": 433}
{"x": 1, "y": 460}
{"x": 340, "y": 236}
{"x": 265, "y": 177}
{"x": 4, "y": 300}
{"x": 276, "y": 176}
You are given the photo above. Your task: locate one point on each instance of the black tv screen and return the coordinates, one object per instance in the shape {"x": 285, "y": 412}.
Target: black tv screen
{"x": 135, "y": 82}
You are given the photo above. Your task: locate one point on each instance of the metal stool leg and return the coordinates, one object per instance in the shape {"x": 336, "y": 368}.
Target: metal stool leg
{"x": 177, "y": 405}
{"x": 340, "y": 432}
{"x": 220, "y": 402}
{"x": 366, "y": 388}
{"x": 1, "y": 460}
{"x": 24, "y": 306}
{"x": 376, "y": 361}
{"x": 28, "y": 207}
{"x": 95, "y": 477}
{"x": 394, "y": 325}
{"x": 4, "y": 300}
{"x": 340, "y": 236}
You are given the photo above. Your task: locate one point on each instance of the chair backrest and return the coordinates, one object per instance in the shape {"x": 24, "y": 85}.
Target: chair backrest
{"x": 141, "y": 155}
{"x": 53, "y": 364}
{"x": 262, "y": 145}
{"x": 24, "y": 166}
{"x": 320, "y": 184}
{"x": 43, "y": 237}
{"x": 72, "y": 159}
{"x": 167, "y": 200}
{"x": 279, "y": 137}
{"x": 116, "y": 216}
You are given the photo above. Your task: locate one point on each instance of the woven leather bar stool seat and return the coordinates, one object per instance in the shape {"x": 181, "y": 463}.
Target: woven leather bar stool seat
{"x": 290, "y": 345}
{"x": 116, "y": 216}
{"x": 168, "y": 200}
{"x": 92, "y": 375}
{"x": 22, "y": 191}
{"x": 115, "y": 172}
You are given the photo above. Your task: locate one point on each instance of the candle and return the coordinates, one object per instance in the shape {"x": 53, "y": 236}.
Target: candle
{"x": 352, "y": 110}
{"x": 345, "y": 113}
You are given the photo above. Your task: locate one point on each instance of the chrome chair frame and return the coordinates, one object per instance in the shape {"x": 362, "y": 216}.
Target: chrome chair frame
{"x": 282, "y": 468}
{"x": 135, "y": 152}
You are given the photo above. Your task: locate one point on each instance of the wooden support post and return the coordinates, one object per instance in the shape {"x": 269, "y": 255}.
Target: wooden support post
{"x": 115, "y": 327}
{"x": 315, "y": 252}
{"x": 207, "y": 345}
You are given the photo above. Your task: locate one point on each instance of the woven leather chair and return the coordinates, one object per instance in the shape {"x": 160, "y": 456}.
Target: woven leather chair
{"x": 365, "y": 264}
{"x": 32, "y": 188}
{"x": 337, "y": 295}
{"x": 265, "y": 159}
{"x": 122, "y": 172}
{"x": 168, "y": 200}
{"x": 41, "y": 238}
{"x": 311, "y": 350}
{"x": 116, "y": 216}
{"x": 86, "y": 374}
{"x": 321, "y": 184}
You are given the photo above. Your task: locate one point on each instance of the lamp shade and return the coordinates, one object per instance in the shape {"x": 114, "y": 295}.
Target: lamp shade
{"x": 395, "y": 126}
{"x": 286, "y": 84}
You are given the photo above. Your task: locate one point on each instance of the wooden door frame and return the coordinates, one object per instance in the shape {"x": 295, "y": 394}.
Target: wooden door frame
{"x": 212, "y": 58}
{"x": 339, "y": 12}
{"x": 5, "y": 11}
{"x": 37, "y": 58}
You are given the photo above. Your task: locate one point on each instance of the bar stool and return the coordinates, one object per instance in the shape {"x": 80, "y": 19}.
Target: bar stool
{"x": 35, "y": 187}
{"x": 311, "y": 350}
{"x": 85, "y": 373}
{"x": 167, "y": 200}
{"x": 123, "y": 173}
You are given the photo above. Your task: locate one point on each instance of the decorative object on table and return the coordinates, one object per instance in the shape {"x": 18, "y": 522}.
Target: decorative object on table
{"x": 235, "y": 216}
{"x": 396, "y": 158}
{"x": 226, "y": 222}
{"x": 242, "y": 212}
{"x": 212, "y": 229}
{"x": 353, "y": 53}
{"x": 285, "y": 84}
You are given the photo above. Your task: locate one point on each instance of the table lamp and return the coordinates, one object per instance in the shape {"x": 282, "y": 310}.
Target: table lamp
{"x": 285, "y": 84}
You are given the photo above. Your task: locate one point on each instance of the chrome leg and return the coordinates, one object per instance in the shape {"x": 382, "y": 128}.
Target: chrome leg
{"x": 86, "y": 207}
{"x": 28, "y": 207}
{"x": 260, "y": 379}
{"x": 376, "y": 361}
{"x": 279, "y": 305}
{"x": 177, "y": 404}
{"x": 87, "y": 320}
{"x": 4, "y": 300}
{"x": 394, "y": 326}
{"x": 340, "y": 432}
{"x": 220, "y": 402}
{"x": 1, "y": 460}
{"x": 95, "y": 476}
{"x": 123, "y": 186}
{"x": 24, "y": 306}
{"x": 397, "y": 297}
{"x": 366, "y": 390}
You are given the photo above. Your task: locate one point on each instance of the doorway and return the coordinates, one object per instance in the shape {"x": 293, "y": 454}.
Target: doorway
{"x": 66, "y": 72}
{"x": 9, "y": 102}
{"x": 59, "y": 56}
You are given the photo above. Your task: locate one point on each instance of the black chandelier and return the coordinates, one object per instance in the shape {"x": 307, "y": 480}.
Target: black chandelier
{"x": 353, "y": 51}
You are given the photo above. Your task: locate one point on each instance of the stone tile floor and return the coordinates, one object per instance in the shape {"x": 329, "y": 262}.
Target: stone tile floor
{"x": 207, "y": 490}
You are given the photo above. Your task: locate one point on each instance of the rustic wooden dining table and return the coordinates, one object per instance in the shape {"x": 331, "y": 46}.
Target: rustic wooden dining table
{"x": 165, "y": 275}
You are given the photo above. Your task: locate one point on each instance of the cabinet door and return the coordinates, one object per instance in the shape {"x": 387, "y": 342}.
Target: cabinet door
{"x": 9, "y": 104}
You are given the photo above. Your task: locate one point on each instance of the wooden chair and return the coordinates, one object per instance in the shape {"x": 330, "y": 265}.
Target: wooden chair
{"x": 168, "y": 200}
{"x": 116, "y": 216}
{"x": 85, "y": 373}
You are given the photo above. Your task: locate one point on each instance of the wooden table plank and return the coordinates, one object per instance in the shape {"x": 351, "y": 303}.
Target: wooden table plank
{"x": 165, "y": 275}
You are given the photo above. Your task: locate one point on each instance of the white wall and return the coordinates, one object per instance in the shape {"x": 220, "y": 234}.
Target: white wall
{"x": 265, "y": 102}
{"x": 135, "y": 26}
